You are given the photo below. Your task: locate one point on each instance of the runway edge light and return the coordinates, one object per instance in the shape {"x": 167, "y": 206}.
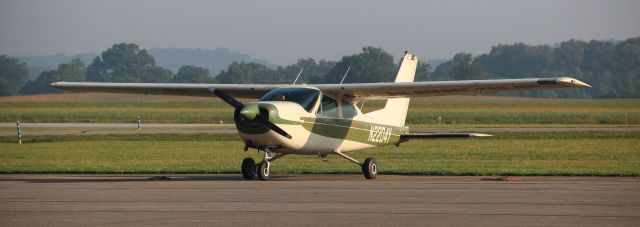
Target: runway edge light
{"x": 19, "y": 129}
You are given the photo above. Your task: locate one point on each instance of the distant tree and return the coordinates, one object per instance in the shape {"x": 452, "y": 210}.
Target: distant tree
{"x": 422, "y": 72}
{"x": 70, "y": 72}
{"x": 466, "y": 68}
{"x": 13, "y": 75}
{"x": 246, "y": 73}
{"x": 192, "y": 74}
{"x": 517, "y": 60}
{"x": 372, "y": 65}
{"x": 612, "y": 67}
{"x": 599, "y": 56}
{"x": 125, "y": 62}
{"x": 155, "y": 74}
{"x": 443, "y": 71}
{"x": 569, "y": 56}
{"x": 628, "y": 55}
{"x": 313, "y": 72}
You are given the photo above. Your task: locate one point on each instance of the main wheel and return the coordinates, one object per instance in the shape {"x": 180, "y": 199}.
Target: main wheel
{"x": 370, "y": 168}
{"x": 248, "y": 168}
{"x": 263, "y": 171}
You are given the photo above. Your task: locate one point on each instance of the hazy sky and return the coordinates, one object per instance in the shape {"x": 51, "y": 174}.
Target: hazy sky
{"x": 282, "y": 31}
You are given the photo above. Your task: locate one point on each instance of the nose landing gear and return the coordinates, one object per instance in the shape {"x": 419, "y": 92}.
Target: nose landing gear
{"x": 263, "y": 169}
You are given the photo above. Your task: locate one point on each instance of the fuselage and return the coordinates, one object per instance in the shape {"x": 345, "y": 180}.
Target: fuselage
{"x": 319, "y": 124}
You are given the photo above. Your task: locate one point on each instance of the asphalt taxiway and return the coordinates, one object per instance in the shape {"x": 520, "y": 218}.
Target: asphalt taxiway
{"x": 325, "y": 200}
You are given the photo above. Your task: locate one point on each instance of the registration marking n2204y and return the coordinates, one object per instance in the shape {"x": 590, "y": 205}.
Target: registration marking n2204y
{"x": 380, "y": 134}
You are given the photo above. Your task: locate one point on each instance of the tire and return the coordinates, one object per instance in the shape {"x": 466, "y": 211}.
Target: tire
{"x": 370, "y": 168}
{"x": 263, "y": 171}
{"x": 248, "y": 168}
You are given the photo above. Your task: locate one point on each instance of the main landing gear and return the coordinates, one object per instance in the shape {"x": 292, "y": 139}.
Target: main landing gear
{"x": 369, "y": 166}
{"x": 263, "y": 169}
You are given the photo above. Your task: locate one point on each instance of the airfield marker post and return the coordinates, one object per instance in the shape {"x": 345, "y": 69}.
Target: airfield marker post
{"x": 138, "y": 122}
{"x": 19, "y": 132}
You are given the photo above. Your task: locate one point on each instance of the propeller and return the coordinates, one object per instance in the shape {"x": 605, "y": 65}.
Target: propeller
{"x": 261, "y": 116}
{"x": 227, "y": 98}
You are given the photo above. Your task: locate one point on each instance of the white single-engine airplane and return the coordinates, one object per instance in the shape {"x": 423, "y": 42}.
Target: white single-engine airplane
{"x": 324, "y": 119}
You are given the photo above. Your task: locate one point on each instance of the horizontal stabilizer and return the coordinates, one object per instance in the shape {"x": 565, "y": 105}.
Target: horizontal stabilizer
{"x": 441, "y": 135}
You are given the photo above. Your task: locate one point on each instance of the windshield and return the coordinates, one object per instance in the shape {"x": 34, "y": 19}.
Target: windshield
{"x": 305, "y": 97}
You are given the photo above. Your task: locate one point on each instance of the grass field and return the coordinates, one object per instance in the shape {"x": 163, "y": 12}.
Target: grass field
{"x": 453, "y": 110}
{"x": 557, "y": 153}
{"x": 535, "y": 153}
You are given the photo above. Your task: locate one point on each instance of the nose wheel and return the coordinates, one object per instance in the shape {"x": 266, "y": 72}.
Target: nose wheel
{"x": 264, "y": 171}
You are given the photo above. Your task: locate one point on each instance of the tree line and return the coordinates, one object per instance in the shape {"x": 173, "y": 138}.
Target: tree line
{"x": 127, "y": 63}
{"x": 612, "y": 67}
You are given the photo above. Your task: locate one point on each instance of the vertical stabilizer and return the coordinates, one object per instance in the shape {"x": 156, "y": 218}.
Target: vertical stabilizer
{"x": 395, "y": 111}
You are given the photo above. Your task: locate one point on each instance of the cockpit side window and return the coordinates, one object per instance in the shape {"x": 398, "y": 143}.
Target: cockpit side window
{"x": 328, "y": 107}
{"x": 305, "y": 97}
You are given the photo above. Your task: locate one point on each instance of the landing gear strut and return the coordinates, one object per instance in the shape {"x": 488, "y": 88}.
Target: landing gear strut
{"x": 369, "y": 167}
{"x": 263, "y": 169}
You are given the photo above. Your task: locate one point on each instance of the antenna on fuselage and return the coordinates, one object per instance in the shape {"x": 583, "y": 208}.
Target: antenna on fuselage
{"x": 298, "y": 76}
{"x": 345, "y": 74}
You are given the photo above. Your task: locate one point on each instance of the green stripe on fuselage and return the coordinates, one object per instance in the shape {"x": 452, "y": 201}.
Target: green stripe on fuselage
{"x": 358, "y": 131}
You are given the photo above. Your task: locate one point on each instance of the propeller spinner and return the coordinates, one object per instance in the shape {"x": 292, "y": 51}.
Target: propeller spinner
{"x": 250, "y": 112}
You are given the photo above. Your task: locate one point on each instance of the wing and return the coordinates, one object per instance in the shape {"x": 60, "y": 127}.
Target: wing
{"x": 236, "y": 90}
{"x": 439, "y": 88}
{"x": 355, "y": 91}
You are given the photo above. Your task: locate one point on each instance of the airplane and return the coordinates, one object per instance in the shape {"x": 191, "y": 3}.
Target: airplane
{"x": 324, "y": 119}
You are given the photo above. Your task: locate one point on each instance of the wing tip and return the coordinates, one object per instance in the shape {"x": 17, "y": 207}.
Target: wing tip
{"x": 572, "y": 82}
{"x": 479, "y": 135}
{"x": 56, "y": 84}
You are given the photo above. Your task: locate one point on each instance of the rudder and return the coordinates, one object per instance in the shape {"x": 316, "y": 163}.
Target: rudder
{"x": 395, "y": 110}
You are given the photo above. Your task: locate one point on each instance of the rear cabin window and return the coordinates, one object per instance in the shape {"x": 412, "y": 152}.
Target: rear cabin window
{"x": 348, "y": 110}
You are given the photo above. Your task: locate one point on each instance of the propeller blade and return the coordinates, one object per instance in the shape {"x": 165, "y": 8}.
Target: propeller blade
{"x": 238, "y": 105}
{"x": 226, "y": 98}
{"x": 272, "y": 126}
